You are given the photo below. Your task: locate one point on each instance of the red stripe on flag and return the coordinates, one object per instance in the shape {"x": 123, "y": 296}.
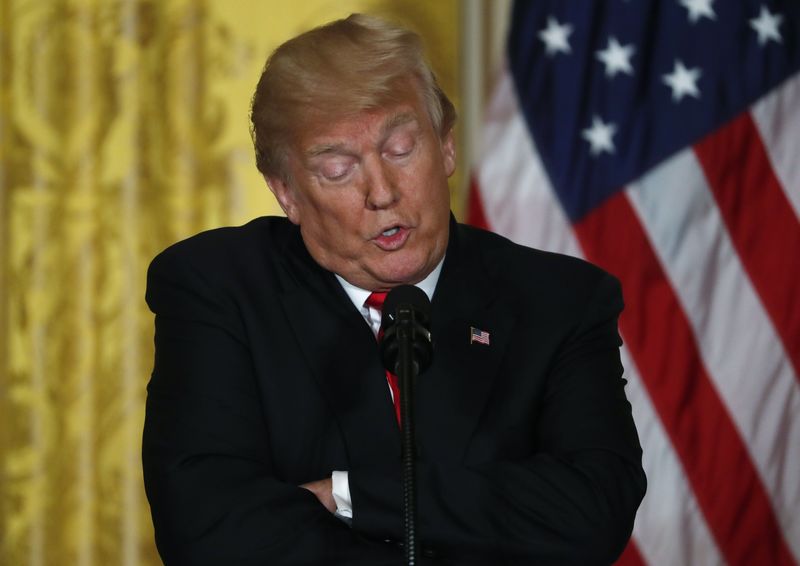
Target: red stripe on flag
{"x": 659, "y": 337}
{"x": 476, "y": 215}
{"x": 760, "y": 220}
{"x": 630, "y": 556}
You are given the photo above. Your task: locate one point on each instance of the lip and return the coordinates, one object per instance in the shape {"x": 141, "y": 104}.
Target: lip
{"x": 393, "y": 242}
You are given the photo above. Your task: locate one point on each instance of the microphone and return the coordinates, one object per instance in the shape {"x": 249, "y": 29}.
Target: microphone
{"x": 406, "y": 323}
{"x": 406, "y": 351}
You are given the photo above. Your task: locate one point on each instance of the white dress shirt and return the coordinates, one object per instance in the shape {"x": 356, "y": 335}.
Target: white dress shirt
{"x": 341, "y": 485}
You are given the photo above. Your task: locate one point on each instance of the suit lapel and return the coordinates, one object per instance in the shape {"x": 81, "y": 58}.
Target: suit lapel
{"x": 343, "y": 358}
{"x": 342, "y": 355}
{"x": 451, "y": 395}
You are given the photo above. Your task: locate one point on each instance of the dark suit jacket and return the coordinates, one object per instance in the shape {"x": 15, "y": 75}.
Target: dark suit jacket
{"x": 267, "y": 377}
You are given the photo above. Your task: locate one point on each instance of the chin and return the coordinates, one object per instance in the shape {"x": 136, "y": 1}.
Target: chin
{"x": 405, "y": 274}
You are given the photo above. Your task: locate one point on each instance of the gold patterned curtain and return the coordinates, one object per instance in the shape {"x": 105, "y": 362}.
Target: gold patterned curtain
{"x": 123, "y": 128}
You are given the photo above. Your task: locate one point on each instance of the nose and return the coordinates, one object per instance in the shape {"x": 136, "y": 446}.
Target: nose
{"x": 381, "y": 189}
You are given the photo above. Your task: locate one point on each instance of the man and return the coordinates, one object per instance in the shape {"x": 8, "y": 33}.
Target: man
{"x": 271, "y": 435}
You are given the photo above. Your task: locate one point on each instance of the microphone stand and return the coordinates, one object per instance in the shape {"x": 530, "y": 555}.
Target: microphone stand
{"x": 406, "y": 350}
{"x": 407, "y": 370}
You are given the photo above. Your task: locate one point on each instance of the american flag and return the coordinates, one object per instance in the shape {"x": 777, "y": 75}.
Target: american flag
{"x": 659, "y": 140}
{"x": 478, "y": 335}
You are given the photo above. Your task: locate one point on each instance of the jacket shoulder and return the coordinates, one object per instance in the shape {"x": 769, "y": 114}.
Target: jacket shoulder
{"x": 229, "y": 243}
{"x": 219, "y": 264}
{"x": 501, "y": 255}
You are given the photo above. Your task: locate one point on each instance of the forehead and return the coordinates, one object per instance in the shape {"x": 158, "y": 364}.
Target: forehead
{"x": 371, "y": 128}
{"x": 364, "y": 126}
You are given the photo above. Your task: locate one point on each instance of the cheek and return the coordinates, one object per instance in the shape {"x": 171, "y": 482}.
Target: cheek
{"x": 436, "y": 192}
{"x": 331, "y": 206}
{"x": 337, "y": 224}
{"x": 431, "y": 198}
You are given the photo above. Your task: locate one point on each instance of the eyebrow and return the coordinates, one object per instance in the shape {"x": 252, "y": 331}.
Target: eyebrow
{"x": 321, "y": 149}
{"x": 394, "y": 121}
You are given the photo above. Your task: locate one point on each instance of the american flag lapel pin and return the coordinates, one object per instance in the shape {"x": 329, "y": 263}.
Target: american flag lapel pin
{"x": 478, "y": 335}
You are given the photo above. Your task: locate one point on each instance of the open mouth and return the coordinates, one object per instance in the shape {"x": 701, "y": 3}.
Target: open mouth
{"x": 392, "y": 238}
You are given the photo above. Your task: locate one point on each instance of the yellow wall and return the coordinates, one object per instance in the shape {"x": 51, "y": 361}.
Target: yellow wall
{"x": 123, "y": 128}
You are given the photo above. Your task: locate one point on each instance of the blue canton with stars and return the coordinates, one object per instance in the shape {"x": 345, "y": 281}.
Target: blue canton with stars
{"x": 609, "y": 89}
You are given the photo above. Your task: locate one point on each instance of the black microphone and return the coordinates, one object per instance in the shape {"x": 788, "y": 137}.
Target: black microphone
{"x": 406, "y": 316}
{"x": 406, "y": 351}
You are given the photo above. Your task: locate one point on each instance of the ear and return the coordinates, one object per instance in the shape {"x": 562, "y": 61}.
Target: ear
{"x": 285, "y": 196}
{"x": 449, "y": 153}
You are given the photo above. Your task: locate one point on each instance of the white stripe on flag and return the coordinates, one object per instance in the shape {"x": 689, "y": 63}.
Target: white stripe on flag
{"x": 670, "y": 529}
{"x": 778, "y": 121}
{"x": 516, "y": 195}
{"x": 736, "y": 339}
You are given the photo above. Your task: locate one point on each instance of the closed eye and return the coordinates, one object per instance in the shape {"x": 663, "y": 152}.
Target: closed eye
{"x": 401, "y": 153}
{"x": 336, "y": 169}
{"x": 401, "y": 149}
{"x": 337, "y": 176}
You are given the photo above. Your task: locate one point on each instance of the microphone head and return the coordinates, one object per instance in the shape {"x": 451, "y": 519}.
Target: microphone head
{"x": 406, "y": 295}
{"x": 406, "y": 316}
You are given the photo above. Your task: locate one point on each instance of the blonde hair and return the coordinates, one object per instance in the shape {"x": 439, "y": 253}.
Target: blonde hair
{"x": 337, "y": 70}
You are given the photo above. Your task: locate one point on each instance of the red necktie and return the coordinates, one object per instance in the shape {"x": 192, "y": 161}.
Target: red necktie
{"x": 375, "y": 300}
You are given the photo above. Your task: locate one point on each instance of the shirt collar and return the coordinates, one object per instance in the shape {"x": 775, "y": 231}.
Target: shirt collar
{"x": 359, "y": 296}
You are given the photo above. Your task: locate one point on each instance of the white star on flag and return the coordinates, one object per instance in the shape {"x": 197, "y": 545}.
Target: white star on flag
{"x": 766, "y": 26}
{"x": 616, "y": 57}
{"x": 698, "y": 9}
{"x": 555, "y": 36}
{"x": 683, "y": 81}
{"x": 599, "y": 136}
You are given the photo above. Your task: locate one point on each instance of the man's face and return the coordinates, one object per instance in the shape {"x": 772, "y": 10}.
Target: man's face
{"x": 370, "y": 194}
